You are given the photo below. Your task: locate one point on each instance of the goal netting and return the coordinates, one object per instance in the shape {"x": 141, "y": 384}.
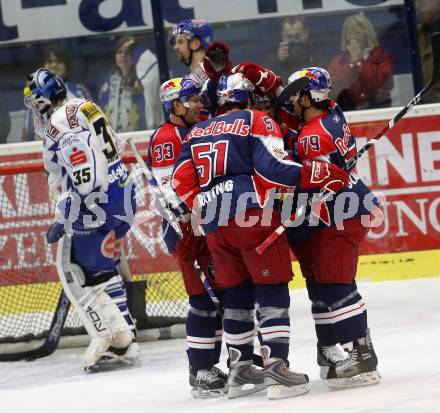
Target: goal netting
{"x": 29, "y": 284}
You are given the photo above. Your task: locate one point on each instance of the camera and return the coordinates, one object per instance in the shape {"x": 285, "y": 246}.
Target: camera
{"x": 298, "y": 51}
{"x": 296, "y": 48}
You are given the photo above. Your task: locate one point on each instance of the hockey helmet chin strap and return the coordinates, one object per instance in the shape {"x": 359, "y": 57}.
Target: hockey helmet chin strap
{"x": 304, "y": 108}
{"x": 182, "y": 117}
{"x": 191, "y": 51}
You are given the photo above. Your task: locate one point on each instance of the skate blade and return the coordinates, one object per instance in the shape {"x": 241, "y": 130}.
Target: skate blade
{"x": 108, "y": 363}
{"x": 365, "y": 379}
{"x": 245, "y": 389}
{"x": 207, "y": 394}
{"x": 279, "y": 391}
{"x": 323, "y": 370}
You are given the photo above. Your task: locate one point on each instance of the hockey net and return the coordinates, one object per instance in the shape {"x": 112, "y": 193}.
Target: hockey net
{"x": 29, "y": 284}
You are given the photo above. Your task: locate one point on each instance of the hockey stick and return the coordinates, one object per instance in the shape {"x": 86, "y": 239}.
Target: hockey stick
{"x": 435, "y": 41}
{"x": 170, "y": 217}
{"x": 53, "y": 336}
{"x": 163, "y": 208}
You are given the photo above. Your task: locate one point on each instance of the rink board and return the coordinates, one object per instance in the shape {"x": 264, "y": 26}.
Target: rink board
{"x": 169, "y": 286}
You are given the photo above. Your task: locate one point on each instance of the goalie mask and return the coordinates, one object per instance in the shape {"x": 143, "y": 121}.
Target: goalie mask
{"x": 181, "y": 88}
{"x": 42, "y": 89}
{"x": 190, "y": 28}
{"x": 319, "y": 84}
{"x": 234, "y": 88}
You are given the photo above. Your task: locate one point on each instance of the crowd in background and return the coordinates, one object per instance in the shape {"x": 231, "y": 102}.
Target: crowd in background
{"x": 122, "y": 73}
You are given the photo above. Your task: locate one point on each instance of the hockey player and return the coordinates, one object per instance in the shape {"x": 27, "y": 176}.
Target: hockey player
{"x": 95, "y": 206}
{"x": 226, "y": 167}
{"x": 190, "y": 39}
{"x": 328, "y": 252}
{"x": 180, "y": 99}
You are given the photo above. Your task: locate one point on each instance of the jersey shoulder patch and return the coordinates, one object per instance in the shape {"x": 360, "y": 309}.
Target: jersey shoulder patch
{"x": 90, "y": 110}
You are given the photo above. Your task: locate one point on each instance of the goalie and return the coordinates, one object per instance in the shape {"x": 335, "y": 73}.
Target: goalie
{"x": 82, "y": 156}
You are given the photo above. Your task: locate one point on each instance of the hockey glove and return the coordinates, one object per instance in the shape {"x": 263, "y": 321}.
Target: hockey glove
{"x": 55, "y": 232}
{"x": 216, "y": 61}
{"x": 316, "y": 174}
{"x": 264, "y": 80}
{"x": 190, "y": 246}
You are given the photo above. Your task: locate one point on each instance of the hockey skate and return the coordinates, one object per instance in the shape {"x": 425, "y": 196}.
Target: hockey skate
{"x": 328, "y": 355}
{"x": 208, "y": 383}
{"x": 244, "y": 377}
{"x": 282, "y": 382}
{"x": 358, "y": 369}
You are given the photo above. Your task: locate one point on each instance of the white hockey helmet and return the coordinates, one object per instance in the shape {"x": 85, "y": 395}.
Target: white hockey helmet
{"x": 234, "y": 88}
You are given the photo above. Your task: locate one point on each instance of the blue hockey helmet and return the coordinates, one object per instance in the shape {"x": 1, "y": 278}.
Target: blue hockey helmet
{"x": 181, "y": 88}
{"x": 234, "y": 88}
{"x": 319, "y": 84}
{"x": 42, "y": 89}
{"x": 190, "y": 28}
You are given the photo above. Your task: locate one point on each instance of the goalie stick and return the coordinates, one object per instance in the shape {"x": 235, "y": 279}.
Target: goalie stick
{"x": 50, "y": 343}
{"x": 435, "y": 42}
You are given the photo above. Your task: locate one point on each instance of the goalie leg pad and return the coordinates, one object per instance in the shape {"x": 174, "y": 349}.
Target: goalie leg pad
{"x": 101, "y": 316}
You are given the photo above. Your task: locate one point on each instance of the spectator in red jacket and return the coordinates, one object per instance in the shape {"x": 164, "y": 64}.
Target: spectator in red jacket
{"x": 362, "y": 73}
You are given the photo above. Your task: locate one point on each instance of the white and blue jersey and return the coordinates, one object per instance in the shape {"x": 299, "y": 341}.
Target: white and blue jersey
{"x": 82, "y": 157}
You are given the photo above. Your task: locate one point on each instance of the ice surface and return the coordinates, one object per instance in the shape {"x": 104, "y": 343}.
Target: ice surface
{"x": 404, "y": 318}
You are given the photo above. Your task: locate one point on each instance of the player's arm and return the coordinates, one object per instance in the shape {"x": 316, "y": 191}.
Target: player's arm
{"x": 163, "y": 152}
{"x": 271, "y": 167}
{"x": 185, "y": 180}
{"x": 273, "y": 170}
{"x": 52, "y": 167}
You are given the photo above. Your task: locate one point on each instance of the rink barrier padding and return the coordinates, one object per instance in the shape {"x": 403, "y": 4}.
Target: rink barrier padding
{"x": 388, "y": 267}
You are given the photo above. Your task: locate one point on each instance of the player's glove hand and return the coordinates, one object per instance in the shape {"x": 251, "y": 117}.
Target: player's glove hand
{"x": 316, "y": 174}
{"x": 264, "y": 80}
{"x": 55, "y": 232}
{"x": 216, "y": 61}
{"x": 190, "y": 246}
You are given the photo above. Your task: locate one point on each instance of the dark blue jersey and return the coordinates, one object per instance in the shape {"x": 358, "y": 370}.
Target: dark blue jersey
{"x": 230, "y": 163}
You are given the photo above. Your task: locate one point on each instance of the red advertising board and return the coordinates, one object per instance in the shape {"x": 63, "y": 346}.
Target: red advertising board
{"x": 405, "y": 167}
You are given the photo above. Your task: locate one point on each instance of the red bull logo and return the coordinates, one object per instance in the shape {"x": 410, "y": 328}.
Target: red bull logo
{"x": 311, "y": 75}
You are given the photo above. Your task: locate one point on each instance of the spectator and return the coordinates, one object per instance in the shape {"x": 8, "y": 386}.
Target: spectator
{"x": 130, "y": 94}
{"x": 5, "y": 120}
{"x": 58, "y": 62}
{"x": 362, "y": 73}
{"x": 295, "y": 49}
{"x": 428, "y": 14}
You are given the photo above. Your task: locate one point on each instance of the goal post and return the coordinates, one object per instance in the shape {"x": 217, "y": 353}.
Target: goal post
{"x": 29, "y": 286}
